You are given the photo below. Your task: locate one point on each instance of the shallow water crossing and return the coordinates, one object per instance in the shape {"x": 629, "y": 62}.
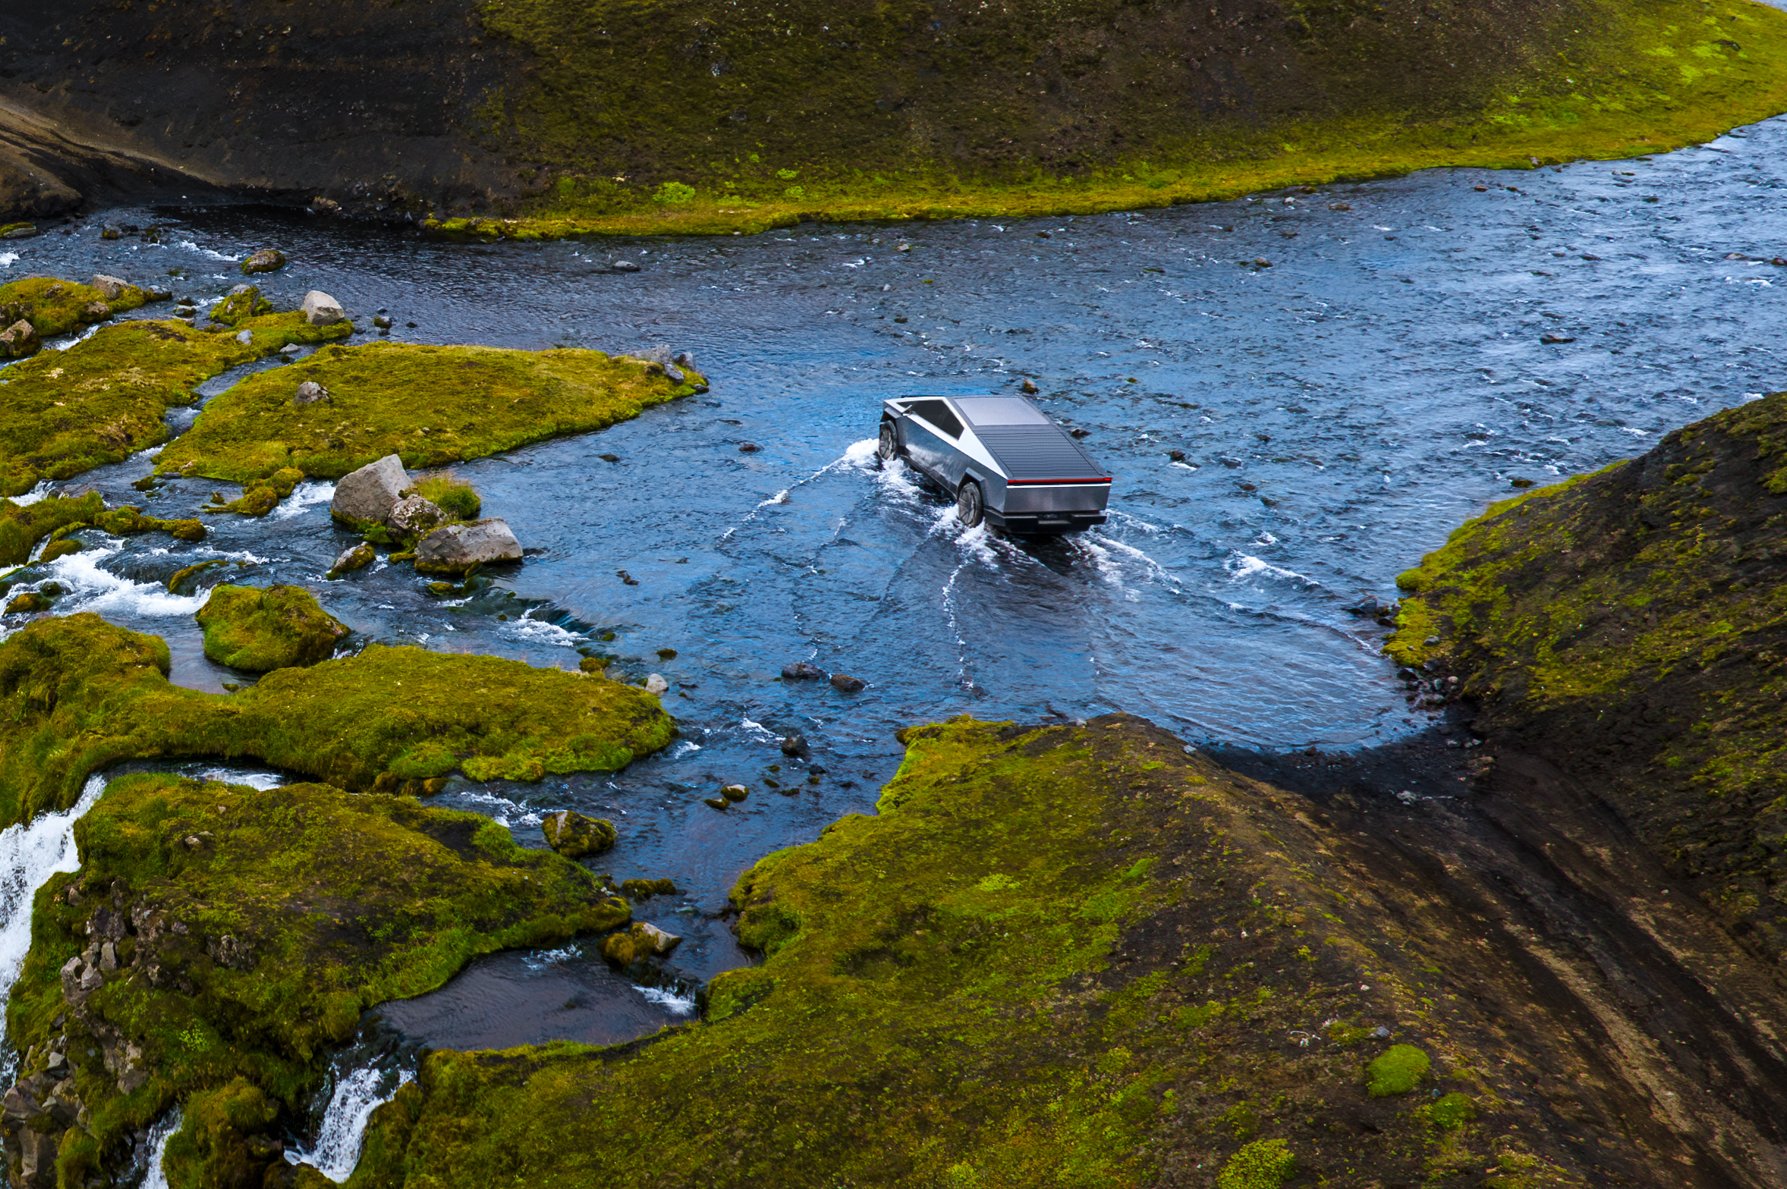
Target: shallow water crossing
{"x": 1299, "y": 395}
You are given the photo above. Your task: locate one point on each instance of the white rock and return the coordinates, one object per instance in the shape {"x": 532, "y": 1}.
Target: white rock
{"x": 320, "y": 309}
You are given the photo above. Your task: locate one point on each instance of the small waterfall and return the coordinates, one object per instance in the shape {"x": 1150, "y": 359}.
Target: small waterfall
{"x": 358, "y": 1092}
{"x": 29, "y": 854}
{"x": 159, "y": 1135}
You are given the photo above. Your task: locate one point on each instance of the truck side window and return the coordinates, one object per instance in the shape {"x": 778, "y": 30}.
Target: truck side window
{"x": 938, "y": 414}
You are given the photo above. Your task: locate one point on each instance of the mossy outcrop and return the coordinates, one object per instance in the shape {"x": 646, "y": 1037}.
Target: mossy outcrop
{"x": 707, "y": 116}
{"x": 479, "y": 401}
{"x": 79, "y": 694}
{"x": 1141, "y": 970}
{"x": 217, "y": 943}
{"x": 1630, "y": 626}
{"x": 262, "y": 629}
{"x": 103, "y": 399}
{"x": 575, "y": 835}
{"x": 56, "y": 307}
{"x": 22, "y": 526}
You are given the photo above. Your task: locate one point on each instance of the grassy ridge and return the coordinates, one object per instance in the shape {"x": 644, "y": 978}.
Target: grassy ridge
{"x": 1631, "y": 625}
{"x": 1063, "y": 956}
{"x": 698, "y": 117}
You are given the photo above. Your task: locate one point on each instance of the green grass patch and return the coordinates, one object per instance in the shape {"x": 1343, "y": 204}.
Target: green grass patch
{"x": 56, "y": 307}
{"x": 480, "y": 401}
{"x": 78, "y": 693}
{"x": 1397, "y": 1070}
{"x": 100, "y": 401}
{"x": 256, "y": 629}
{"x": 239, "y": 934}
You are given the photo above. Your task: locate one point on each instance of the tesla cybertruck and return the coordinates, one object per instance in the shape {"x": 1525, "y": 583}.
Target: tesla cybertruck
{"x": 1000, "y": 457}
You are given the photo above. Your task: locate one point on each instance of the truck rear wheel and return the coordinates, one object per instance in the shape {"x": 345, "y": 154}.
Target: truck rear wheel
{"x": 971, "y": 507}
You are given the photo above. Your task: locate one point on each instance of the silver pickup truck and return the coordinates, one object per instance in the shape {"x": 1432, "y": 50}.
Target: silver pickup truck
{"x": 1001, "y": 458}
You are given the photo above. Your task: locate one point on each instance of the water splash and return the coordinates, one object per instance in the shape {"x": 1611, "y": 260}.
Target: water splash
{"x": 91, "y": 587}
{"x": 677, "y": 1003}
{"x": 30, "y": 853}
{"x": 303, "y": 497}
{"x": 357, "y": 1094}
{"x": 159, "y": 1135}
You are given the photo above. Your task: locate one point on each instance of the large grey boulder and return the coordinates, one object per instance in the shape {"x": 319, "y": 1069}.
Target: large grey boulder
{"x": 366, "y": 496}
{"x": 461, "y": 548}
{"x": 320, "y": 309}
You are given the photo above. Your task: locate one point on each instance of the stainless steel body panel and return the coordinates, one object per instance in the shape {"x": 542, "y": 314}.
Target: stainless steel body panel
{"x": 1033, "y": 476}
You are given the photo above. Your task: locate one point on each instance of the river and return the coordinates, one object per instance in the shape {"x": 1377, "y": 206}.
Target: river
{"x": 1345, "y": 375}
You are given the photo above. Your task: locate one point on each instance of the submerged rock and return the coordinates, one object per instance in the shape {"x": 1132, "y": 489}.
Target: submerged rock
{"x": 735, "y": 792}
{"x": 574, "y": 835}
{"x": 846, "y": 683}
{"x": 349, "y": 560}
{"x": 368, "y": 495}
{"x": 319, "y": 309}
{"x": 459, "y": 548}
{"x": 802, "y": 671}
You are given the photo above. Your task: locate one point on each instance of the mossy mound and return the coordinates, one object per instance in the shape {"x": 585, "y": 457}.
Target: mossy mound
{"x": 429, "y": 405}
{"x": 78, "y": 693}
{"x": 22, "y": 526}
{"x": 218, "y": 940}
{"x": 256, "y": 629}
{"x": 56, "y": 307}
{"x": 1631, "y": 626}
{"x": 1070, "y": 955}
{"x": 103, "y": 399}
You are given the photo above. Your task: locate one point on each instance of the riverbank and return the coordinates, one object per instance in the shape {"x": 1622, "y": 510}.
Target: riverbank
{"x": 540, "y": 119}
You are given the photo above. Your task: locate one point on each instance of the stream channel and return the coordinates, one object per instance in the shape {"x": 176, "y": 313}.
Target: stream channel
{"x": 1347, "y": 374}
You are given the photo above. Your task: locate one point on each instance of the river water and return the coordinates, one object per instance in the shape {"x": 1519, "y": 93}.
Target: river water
{"x": 1347, "y": 375}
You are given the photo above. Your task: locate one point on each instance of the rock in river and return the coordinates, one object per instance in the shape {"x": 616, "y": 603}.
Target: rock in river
{"x": 637, "y": 943}
{"x": 357, "y": 558}
{"x": 414, "y": 516}
{"x": 265, "y": 260}
{"x": 846, "y": 683}
{"x": 320, "y": 309}
{"x": 802, "y": 671}
{"x": 458, "y": 548}
{"x": 574, "y": 835}
{"x": 368, "y": 495}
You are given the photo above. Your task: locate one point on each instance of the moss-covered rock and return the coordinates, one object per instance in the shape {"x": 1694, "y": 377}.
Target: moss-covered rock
{"x": 78, "y": 693}
{"x": 481, "y": 401}
{"x": 575, "y": 836}
{"x": 1121, "y": 977}
{"x": 239, "y": 305}
{"x": 1631, "y": 626}
{"x": 219, "y": 940}
{"x": 22, "y": 526}
{"x": 108, "y": 397}
{"x": 261, "y": 629}
{"x": 55, "y": 307}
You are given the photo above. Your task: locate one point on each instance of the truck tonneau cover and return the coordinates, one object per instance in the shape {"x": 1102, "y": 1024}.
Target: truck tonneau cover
{"x": 1037, "y": 452}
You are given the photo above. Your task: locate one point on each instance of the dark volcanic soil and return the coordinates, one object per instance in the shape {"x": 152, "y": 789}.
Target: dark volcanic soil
{"x": 1554, "y": 917}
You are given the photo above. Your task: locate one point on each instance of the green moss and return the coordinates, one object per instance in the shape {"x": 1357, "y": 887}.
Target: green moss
{"x": 482, "y": 400}
{"x": 451, "y": 494}
{"x": 1397, "y": 1070}
{"x": 1631, "y": 626}
{"x": 22, "y": 526}
{"x": 1451, "y": 1111}
{"x": 55, "y": 307}
{"x": 656, "y": 118}
{"x": 243, "y": 303}
{"x": 1263, "y": 1164}
{"x": 917, "y": 1021}
{"x": 260, "y": 630}
{"x": 247, "y": 931}
{"x": 107, "y": 397}
{"x": 79, "y": 694}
